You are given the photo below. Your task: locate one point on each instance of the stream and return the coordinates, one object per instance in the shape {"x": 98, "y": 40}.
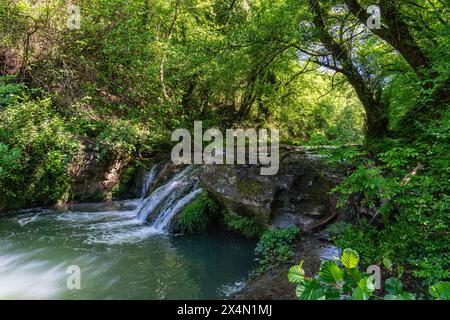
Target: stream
{"x": 123, "y": 250}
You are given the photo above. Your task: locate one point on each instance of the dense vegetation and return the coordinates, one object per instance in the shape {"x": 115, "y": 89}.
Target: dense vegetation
{"x": 347, "y": 282}
{"x": 275, "y": 247}
{"x": 136, "y": 70}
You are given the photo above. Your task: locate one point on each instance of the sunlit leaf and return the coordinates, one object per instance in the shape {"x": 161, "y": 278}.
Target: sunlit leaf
{"x": 296, "y": 274}
{"x": 350, "y": 258}
{"x": 440, "y": 290}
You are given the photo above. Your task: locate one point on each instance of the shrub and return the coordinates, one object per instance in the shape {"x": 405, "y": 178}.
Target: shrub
{"x": 361, "y": 237}
{"x": 11, "y": 92}
{"x": 399, "y": 185}
{"x": 35, "y": 152}
{"x": 275, "y": 247}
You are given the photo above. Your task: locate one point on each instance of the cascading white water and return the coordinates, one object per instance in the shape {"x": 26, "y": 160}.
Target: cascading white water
{"x": 166, "y": 201}
{"x": 163, "y": 219}
{"x": 148, "y": 180}
{"x": 151, "y": 215}
{"x": 113, "y": 249}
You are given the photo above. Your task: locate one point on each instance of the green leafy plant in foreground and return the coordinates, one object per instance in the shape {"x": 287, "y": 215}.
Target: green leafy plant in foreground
{"x": 345, "y": 281}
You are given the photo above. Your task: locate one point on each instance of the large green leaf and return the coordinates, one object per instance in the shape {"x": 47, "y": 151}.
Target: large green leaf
{"x": 440, "y": 290}
{"x": 332, "y": 293}
{"x": 360, "y": 294}
{"x": 310, "y": 290}
{"x": 350, "y": 258}
{"x": 393, "y": 286}
{"x": 300, "y": 289}
{"x": 352, "y": 276}
{"x": 330, "y": 272}
{"x": 364, "y": 289}
{"x": 387, "y": 263}
{"x": 408, "y": 296}
{"x": 403, "y": 296}
{"x": 296, "y": 274}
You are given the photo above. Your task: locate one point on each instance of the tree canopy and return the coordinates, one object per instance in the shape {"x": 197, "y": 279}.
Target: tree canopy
{"x": 316, "y": 69}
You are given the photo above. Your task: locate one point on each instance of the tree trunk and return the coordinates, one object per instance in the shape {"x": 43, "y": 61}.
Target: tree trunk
{"x": 376, "y": 115}
{"x": 397, "y": 33}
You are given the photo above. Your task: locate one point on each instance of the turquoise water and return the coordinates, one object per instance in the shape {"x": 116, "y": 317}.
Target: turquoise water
{"x": 118, "y": 257}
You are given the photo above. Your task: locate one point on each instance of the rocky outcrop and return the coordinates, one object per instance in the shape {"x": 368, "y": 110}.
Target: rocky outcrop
{"x": 298, "y": 195}
{"x": 92, "y": 178}
{"x": 104, "y": 178}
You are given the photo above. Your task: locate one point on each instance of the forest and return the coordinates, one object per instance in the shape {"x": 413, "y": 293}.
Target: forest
{"x": 118, "y": 77}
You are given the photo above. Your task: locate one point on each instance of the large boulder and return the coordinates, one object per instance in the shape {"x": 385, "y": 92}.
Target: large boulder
{"x": 297, "y": 195}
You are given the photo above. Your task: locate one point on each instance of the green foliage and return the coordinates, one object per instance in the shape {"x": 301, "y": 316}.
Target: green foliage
{"x": 349, "y": 258}
{"x": 243, "y": 225}
{"x": 36, "y": 151}
{"x": 276, "y": 247}
{"x": 11, "y": 92}
{"x": 401, "y": 187}
{"x": 440, "y": 291}
{"x": 136, "y": 70}
{"x": 127, "y": 182}
{"x": 347, "y": 282}
{"x": 361, "y": 238}
{"x": 306, "y": 117}
{"x": 195, "y": 216}
{"x": 9, "y": 168}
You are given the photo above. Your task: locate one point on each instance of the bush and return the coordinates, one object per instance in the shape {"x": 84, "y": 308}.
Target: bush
{"x": 11, "y": 92}
{"x": 361, "y": 238}
{"x": 399, "y": 185}
{"x": 275, "y": 247}
{"x": 35, "y": 152}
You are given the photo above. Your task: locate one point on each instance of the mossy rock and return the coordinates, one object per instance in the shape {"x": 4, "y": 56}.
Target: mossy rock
{"x": 298, "y": 195}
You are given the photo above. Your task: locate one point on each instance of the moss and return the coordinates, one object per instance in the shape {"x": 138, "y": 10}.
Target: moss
{"x": 243, "y": 225}
{"x": 195, "y": 216}
{"x": 248, "y": 188}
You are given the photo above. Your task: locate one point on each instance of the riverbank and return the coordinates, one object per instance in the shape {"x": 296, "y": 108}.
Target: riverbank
{"x": 273, "y": 284}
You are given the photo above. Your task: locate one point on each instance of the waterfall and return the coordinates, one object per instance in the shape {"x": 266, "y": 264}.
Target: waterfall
{"x": 148, "y": 180}
{"x": 163, "y": 219}
{"x": 167, "y": 200}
